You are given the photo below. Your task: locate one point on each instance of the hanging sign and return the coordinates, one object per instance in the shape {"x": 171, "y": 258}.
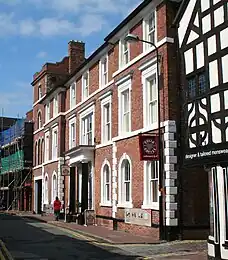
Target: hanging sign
{"x": 149, "y": 147}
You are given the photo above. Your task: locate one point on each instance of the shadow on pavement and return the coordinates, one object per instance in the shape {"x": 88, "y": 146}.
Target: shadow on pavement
{"x": 27, "y": 239}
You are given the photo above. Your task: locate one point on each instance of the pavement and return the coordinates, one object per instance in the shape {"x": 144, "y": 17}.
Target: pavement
{"x": 30, "y": 236}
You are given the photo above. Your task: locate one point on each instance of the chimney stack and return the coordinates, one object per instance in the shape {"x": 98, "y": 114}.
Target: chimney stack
{"x": 76, "y": 53}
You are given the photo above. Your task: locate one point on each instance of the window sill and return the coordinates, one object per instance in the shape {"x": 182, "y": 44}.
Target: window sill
{"x": 154, "y": 206}
{"x": 104, "y": 144}
{"x": 105, "y": 204}
{"x": 128, "y": 205}
{"x": 37, "y": 167}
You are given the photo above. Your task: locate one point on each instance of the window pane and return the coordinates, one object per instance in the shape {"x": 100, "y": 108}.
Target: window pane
{"x": 107, "y": 174}
{"x": 155, "y": 191}
{"x": 191, "y": 88}
{"x": 107, "y": 113}
{"x": 125, "y": 46}
{"x": 126, "y": 122}
{"x": 125, "y": 101}
{"x": 127, "y": 194}
{"x": 152, "y": 180}
{"x": 126, "y": 170}
{"x": 108, "y": 130}
{"x": 107, "y": 192}
{"x": 202, "y": 84}
{"x": 152, "y": 22}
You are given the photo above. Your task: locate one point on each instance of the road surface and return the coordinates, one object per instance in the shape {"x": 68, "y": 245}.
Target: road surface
{"x": 29, "y": 239}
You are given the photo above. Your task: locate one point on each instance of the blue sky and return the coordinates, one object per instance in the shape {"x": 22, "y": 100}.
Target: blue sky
{"x": 33, "y": 32}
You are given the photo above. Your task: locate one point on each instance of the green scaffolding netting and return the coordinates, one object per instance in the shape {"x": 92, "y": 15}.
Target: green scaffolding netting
{"x": 14, "y": 162}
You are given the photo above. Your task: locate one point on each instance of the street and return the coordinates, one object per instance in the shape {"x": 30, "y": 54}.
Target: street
{"x": 29, "y": 239}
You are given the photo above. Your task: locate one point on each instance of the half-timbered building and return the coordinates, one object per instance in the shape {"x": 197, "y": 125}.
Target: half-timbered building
{"x": 203, "y": 42}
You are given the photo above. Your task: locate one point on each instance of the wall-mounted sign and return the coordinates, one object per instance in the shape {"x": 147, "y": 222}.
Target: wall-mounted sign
{"x": 149, "y": 147}
{"x": 206, "y": 155}
{"x": 138, "y": 217}
{"x": 65, "y": 170}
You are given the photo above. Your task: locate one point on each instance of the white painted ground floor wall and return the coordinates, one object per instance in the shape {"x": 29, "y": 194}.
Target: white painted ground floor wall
{"x": 218, "y": 190}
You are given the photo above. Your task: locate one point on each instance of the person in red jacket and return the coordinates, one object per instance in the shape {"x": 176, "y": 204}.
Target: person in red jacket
{"x": 57, "y": 207}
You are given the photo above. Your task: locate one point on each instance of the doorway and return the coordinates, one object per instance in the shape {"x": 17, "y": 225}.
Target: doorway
{"x": 84, "y": 189}
{"x": 38, "y": 196}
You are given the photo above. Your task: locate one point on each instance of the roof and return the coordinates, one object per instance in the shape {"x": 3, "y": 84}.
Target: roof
{"x": 107, "y": 38}
{"x": 180, "y": 12}
{"x": 127, "y": 19}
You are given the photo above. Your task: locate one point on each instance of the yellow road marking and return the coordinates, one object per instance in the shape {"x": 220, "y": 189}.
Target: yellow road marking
{"x": 2, "y": 257}
{"x": 5, "y": 251}
{"x": 75, "y": 234}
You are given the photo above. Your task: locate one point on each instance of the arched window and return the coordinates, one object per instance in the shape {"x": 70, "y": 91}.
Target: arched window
{"x": 54, "y": 186}
{"x": 125, "y": 182}
{"x": 46, "y": 197}
{"x": 106, "y": 183}
{"x": 42, "y": 151}
{"x": 36, "y": 154}
{"x": 39, "y": 120}
{"x": 39, "y": 152}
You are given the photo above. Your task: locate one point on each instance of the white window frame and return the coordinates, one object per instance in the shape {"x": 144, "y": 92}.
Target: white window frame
{"x": 148, "y": 202}
{"x": 104, "y": 102}
{"x": 55, "y": 106}
{"x": 121, "y": 89}
{"x": 83, "y": 115}
{"x": 72, "y": 143}
{"x": 102, "y": 82}
{"x": 147, "y": 46}
{"x": 73, "y": 95}
{"x": 39, "y": 91}
{"x": 148, "y": 74}
{"x": 47, "y": 146}
{"x": 47, "y": 112}
{"x": 104, "y": 201}
{"x": 85, "y": 94}
{"x": 54, "y": 189}
{"x": 122, "y": 53}
{"x": 122, "y": 203}
{"x": 39, "y": 119}
{"x": 54, "y": 145}
{"x": 46, "y": 189}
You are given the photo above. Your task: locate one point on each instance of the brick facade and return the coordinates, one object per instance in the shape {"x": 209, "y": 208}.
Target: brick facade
{"x": 119, "y": 147}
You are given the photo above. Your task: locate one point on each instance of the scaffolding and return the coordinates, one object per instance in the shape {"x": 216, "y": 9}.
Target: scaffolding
{"x": 16, "y": 169}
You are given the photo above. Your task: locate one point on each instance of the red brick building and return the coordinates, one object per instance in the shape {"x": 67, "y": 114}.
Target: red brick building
{"x": 49, "y": 126}
{"x": 92, "y": 122}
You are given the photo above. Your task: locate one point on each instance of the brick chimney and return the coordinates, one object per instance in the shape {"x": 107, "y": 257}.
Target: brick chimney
{"x": 76, "y": 53}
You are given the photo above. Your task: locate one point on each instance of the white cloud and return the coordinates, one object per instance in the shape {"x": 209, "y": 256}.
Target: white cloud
{"x": 17, "y": 99}
{"x": 46, "y": 27}
{"x": 70, "y": 17}
{"x": 91, "y": 23}
{"x": 41, "y": 54}
{"x": 7, "y": 26}
{"x": 27, "y": 27}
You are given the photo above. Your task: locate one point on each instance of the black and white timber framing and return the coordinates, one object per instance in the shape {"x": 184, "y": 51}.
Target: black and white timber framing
{"x": 203, "y": 42}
